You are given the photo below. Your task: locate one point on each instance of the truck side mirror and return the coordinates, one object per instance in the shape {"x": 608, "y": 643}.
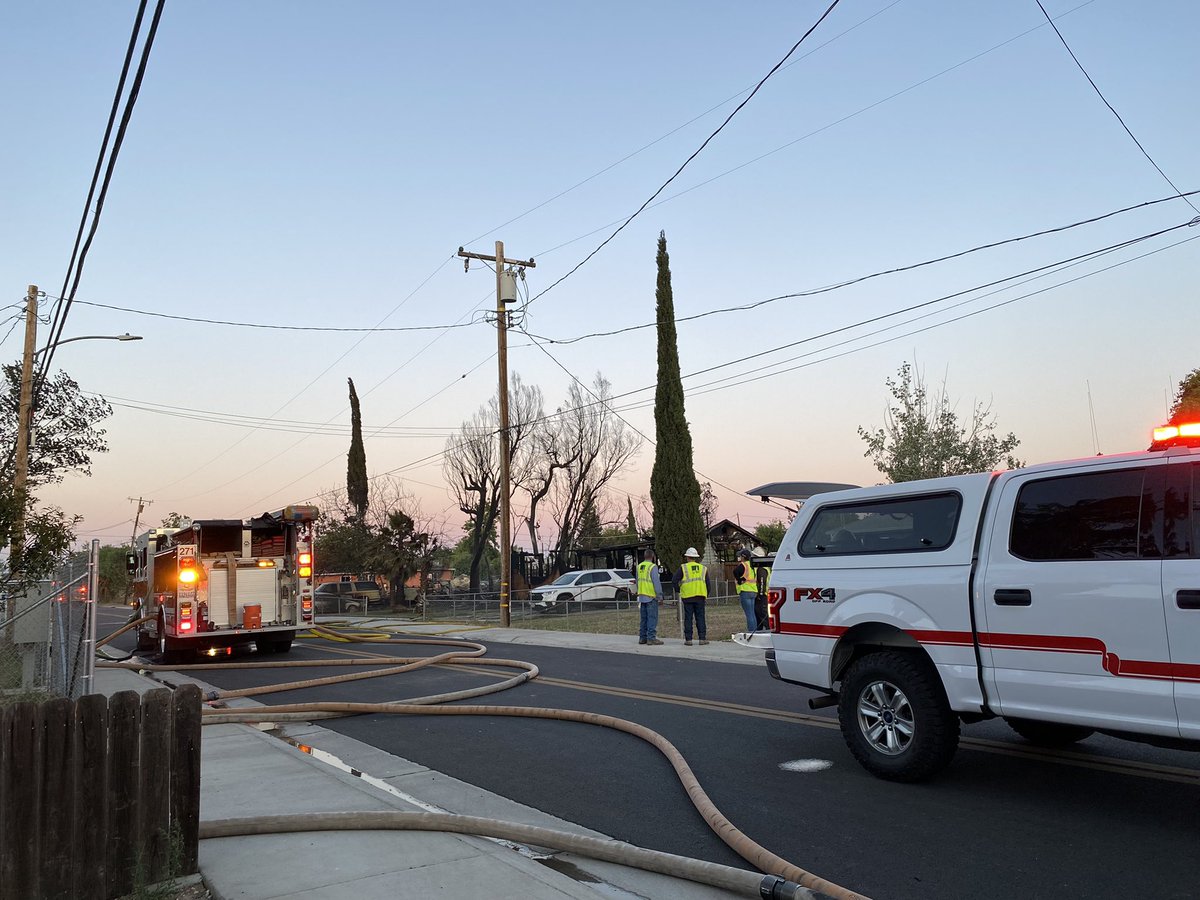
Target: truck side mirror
{"x": 131, "y": 563}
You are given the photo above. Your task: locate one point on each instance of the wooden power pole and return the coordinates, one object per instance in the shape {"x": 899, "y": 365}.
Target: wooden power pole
{"x": 502, "y": 356}
{"x": 24, "y": 423}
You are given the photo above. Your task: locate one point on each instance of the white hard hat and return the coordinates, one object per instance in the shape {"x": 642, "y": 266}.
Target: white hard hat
{"x": 691, "y": 551}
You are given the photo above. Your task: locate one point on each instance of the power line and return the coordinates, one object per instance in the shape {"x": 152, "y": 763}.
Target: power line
{"x": 112, "y": 117}
{"x": 313, "y": 381}
{"x": 634, "y": 428}
{"x": 823, "y": 128}
{"x": 676, "y": 129}
{"x": 695, "y": 153}
{"x": 858, "y": 280}
{"x": 1111, "y": 109}
{"x": 127, "y": 113}
{"x": 714, "y": 386}
{"x": 376, "y": 329}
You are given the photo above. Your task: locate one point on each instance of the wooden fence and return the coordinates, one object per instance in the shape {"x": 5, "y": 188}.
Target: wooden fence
{"x": 100, "y": 795}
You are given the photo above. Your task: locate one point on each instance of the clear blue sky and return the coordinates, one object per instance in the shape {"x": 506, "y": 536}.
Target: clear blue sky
{"x": 307, "y": 164}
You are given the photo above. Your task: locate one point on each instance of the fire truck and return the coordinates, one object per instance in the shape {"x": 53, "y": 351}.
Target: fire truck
{"x": 219, "y": 583}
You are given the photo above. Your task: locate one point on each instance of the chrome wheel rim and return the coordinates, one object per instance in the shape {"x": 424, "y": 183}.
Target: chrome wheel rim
{"x": 885, "y": 718}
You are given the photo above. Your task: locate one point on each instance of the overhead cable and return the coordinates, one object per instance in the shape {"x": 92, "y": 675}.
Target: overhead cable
{"x": 126, "y": 114}
{"x": 695, "y": 153}
{"x": 1111, "y": 109}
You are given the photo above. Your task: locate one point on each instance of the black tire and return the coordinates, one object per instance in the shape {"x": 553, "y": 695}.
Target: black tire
{"x": 622, "y": 598}
{"x": 1049, "y": 734}
{"x": 145, "y": 640}
{"x": 883, "y": 696}
{"x": 283, "y": 645}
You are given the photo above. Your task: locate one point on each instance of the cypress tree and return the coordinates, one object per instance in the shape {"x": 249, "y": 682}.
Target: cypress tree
{"x": 630, "y": 521}
{"x": 674, "y": 490}
{"x": 356, "y": 460}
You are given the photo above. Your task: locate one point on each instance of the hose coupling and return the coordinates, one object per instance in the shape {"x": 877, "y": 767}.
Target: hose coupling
{"x": 774, "y": 887}
{"x": 212, "y": 695}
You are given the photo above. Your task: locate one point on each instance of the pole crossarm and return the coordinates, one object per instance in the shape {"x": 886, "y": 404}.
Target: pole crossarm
{"x": 523, "y": 263}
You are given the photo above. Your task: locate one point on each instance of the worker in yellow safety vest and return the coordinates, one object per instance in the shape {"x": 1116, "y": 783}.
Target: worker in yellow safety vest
{"x": 746, "y": 577}
{"x": 692, "y": 579}
{"x": 649, "y": 588}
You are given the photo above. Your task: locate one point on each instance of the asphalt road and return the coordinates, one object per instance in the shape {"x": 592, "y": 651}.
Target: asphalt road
{"x": 1107, "y": 819}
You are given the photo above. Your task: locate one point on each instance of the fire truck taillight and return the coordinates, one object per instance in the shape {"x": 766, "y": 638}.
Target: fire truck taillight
{"x": 775, "y": 598}
{"x": 304, "y": 564}
{"x": 187, "y": 576}
{"x": 266, "y": 563}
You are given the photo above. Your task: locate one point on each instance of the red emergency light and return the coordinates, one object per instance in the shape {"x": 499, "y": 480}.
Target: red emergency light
{"x": 1165, "y": 433}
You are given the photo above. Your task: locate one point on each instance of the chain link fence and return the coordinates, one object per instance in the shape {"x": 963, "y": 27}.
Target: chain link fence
{"x": 723, "y": 612}
{"x": 48, "y": 633}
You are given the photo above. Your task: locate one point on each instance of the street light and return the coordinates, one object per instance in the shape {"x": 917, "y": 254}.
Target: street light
{"x": 92, "y": 337}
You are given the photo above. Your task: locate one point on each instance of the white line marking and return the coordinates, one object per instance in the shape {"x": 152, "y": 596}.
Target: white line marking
{"x": 806, "y": 765}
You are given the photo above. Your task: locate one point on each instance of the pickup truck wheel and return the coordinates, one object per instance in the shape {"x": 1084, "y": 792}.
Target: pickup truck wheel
{"x": 1049, "y": 734}
{"x": 895, "y": 718}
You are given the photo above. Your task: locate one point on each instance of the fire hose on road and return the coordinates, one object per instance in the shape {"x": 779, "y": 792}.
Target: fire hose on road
{"x": 783, "y": 879}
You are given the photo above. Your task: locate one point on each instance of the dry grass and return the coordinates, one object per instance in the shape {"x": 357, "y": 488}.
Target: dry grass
{"x": 723, "y": 618}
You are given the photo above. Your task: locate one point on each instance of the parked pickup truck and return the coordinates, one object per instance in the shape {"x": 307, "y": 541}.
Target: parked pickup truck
{"x": 1063, "y": 597}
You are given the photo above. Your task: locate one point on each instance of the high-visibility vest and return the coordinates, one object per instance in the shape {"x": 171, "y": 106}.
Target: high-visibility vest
{"x": 644, "y": 579}
{"x": 749, "y": 580}
{"x": 693, "y": 582}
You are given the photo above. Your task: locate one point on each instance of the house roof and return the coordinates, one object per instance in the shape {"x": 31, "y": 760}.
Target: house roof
{"x": 725, "y": 526}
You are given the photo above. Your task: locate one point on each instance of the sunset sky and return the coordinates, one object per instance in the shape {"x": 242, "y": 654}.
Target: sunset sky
{"x": 319, "y": 165}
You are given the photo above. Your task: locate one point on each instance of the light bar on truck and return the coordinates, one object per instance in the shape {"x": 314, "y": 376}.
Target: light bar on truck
{"x": 1165, "y": 433}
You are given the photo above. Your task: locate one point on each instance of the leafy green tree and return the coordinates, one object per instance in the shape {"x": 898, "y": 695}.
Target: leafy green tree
{"x": 176, "y": 520}
{"x": 674, "y": 490}
{"x": 66, "y": 434}
{"x": 356, "y": 460}
{"x": 114, "y": 578}
{"x": 343, "y": 545}
{"x": 402, "y": 550}
{"x": 589, "y": 527}
{"x": 923, "y": 438}
{"x": 1186, "y": 407}
{"x": 770, "y": 535}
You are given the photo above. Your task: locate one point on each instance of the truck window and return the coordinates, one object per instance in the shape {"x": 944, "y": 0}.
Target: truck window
{"x": 1082, "y": 517}
{"x": 907, "y": 524}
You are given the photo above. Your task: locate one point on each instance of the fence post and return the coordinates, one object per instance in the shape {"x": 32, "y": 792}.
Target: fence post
{"x": 89, "y": 745}
{"x": 156, "y": 744}
{"x": 21, "y": 846}
{"x": 58, "y": 799}
{"x": 185, "y": 775}
{"x": 91, "y": 605}
{"x": 124, "y": 835}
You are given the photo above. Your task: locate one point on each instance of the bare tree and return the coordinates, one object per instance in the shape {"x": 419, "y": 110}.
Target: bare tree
{"x": 595, "y": 445}
{"x": 471, "y": 465}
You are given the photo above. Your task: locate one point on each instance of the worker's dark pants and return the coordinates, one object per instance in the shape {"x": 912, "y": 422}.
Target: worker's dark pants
{"x": 694, "y": 609}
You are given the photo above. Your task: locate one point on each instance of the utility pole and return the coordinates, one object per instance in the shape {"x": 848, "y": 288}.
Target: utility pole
{"x": 24, "y": 424}
{"x": 142, "y": 503}
{"x": 503, "y": 297}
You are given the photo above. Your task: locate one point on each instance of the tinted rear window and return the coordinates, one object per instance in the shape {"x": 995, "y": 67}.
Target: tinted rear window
{"x": 923, "y": 522}
{"x": 1079, "y": 517}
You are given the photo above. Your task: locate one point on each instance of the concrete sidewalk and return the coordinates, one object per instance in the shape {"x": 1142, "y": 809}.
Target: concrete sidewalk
{"x": 251, "y": 771}
{"x": 719, "y": 649}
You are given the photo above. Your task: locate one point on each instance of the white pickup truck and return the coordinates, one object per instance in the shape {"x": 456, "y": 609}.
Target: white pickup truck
{"x": 1063, "y": 597}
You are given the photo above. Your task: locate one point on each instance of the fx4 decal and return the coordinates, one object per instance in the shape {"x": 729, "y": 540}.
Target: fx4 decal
{"x": 816, "y": 594}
